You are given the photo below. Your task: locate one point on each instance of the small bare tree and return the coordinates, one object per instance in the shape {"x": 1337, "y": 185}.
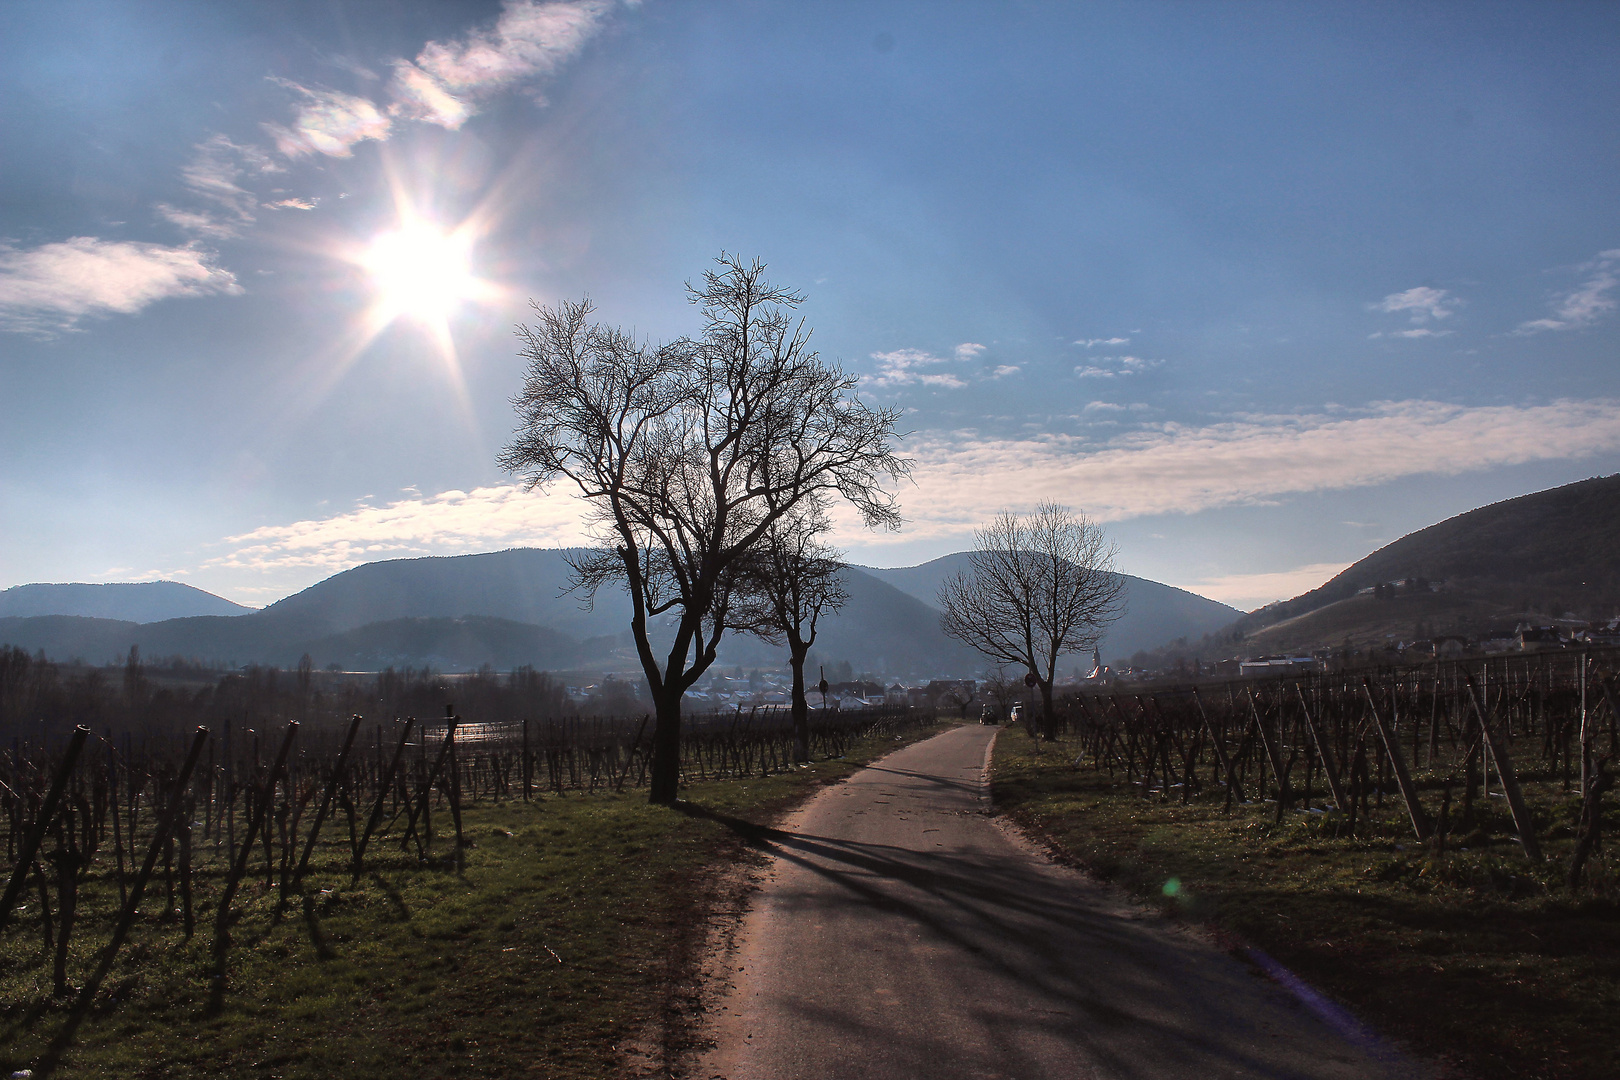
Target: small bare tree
{"x": 1039, "y": 587}
{"x": 792, "y": 580}
{"x": 1004, "y": 687}
{"x": 688, "y": 454}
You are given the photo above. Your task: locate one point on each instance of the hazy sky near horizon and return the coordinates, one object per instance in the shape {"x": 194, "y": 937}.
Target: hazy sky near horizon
{"x": 1261, "y": 285}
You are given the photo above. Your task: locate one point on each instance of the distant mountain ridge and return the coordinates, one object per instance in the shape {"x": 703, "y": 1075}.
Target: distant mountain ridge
{"x": 1549, "y": 552}
{"x": 510, "y": 607}
{"x": 138, "y": 602}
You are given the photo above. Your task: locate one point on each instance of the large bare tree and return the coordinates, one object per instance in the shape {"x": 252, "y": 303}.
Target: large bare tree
{"x": 792, "y": 579}
{"x": 688, "y": 454}
{"x": 1037, "y": 588}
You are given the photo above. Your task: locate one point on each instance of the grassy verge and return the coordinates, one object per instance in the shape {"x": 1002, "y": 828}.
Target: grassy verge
{"x": 1472, "y": 955}
{"x": 563, "y": 940}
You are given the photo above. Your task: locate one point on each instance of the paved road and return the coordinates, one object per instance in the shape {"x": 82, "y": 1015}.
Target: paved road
{"x": 902, "y": 933}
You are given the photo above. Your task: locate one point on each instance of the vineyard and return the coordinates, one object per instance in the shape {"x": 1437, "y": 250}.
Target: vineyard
{"x": 1441, "y": 741}
{"x": 106, "y": 831}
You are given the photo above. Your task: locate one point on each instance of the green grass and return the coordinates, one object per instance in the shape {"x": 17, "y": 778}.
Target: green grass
{"x": 567, "y": 939}
{"x": 1475, "y": 955}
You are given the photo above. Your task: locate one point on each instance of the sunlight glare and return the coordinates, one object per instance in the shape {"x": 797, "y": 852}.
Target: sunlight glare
{"x": 421, "y": 272}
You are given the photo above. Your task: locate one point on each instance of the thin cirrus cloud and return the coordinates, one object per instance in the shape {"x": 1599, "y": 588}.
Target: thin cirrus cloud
{"x": 450, "y": 522}
{"x": 905, "y": 367}
{"x": 214, "y": 178}
{"x": 328, "y": 122}
{"x": 963, "y": 479}
{"x": 1420, "y": 304}
{"x": 1586, "y": 304}
{"x": 1115, "y": 367}
{"x": 447, "y": 81}
{"x": 49, "y": 288}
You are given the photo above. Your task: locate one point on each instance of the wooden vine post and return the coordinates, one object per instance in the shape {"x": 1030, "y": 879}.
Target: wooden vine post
{"x": 383, "y": 787}
{"x": 260, "y": 814}
{"x": 160, "y": 838}
{"x": 1284, "y": 797}
{"x": 293, "y": 880}
{"x": 47, "y": 814}
{"x": 1227, "y": 766}
{"x": 1324, "y": 750}
{"x": 1510, "y": 780}
{"x": 1392, "y": 746}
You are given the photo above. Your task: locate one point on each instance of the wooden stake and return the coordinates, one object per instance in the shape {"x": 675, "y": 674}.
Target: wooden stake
{"x": 1392, "y": 746}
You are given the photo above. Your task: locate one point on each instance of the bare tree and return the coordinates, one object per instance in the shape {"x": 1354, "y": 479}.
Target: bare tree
{"x": 688, "y": 453}
{"x": 792, "y": 580}
{"x": 1039, "y": 587}
{"x": 1004, "y": 687}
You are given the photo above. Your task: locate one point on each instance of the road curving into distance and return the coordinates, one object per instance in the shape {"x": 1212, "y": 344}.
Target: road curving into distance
{"x": 900, "y": 932}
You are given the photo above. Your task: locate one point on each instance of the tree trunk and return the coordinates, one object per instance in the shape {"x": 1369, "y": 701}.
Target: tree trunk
{"x": 1048, "y": 717}
{"x": 666, "y": 749}
{"x": 801, "y": 707}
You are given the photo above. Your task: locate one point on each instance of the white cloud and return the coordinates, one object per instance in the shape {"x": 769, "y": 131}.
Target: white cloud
{"x": 1586, "y": 304}
{"x": 968, "y": 350}
{"x": 1421, "y": 303}
{"x": 529, "y": 41}
{"x": 964, "y": 478}
{"x": 1249, "y": 591}
{"x": 449, "y": 523}
{"x": 902, "y": 368}
{"x": 328, "y": 122}
{"x": 445, "y": 82}
{"x": 293, "y": 204}
{"x": 50, "y": 287}
{"x": 1003, "y": 370}
{"x": 1092, "y": 343}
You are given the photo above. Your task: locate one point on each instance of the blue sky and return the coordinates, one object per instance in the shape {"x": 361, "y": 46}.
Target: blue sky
{"x": 1262, "y": 286}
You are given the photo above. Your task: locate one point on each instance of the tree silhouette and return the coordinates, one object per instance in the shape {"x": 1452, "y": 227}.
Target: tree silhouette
{"x": 688, "y": 453}
{"x": 1038, "y": 588}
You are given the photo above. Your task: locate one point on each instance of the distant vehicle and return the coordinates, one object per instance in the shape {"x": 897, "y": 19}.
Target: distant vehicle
{"x": 987, "y": 716}
{"x": 1017, "y": 714}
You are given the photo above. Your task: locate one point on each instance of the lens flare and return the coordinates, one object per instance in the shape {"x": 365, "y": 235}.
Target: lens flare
{"x": 421, "y": 272}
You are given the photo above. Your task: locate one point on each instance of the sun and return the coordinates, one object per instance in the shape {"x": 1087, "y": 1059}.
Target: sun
{"x": 421, "y": 272}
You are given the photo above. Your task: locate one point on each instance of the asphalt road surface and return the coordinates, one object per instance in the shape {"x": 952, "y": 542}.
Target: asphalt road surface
{"x": 901, "y": 932}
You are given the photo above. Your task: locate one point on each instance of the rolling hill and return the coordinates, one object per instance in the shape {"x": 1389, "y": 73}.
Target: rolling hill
{"x": 1536, "y": 557}
{"x": 508, "y": 608}
{"x": 138, "y": 602}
